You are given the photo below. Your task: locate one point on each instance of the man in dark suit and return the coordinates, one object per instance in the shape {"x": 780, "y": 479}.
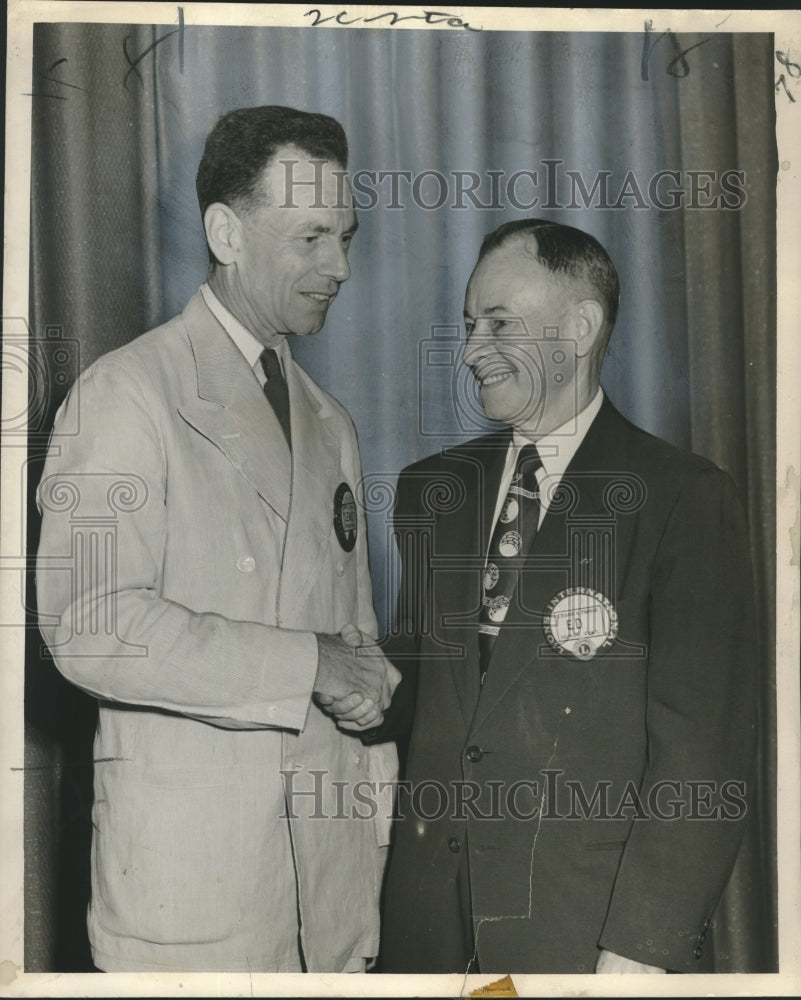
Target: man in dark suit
{"x": 576, "y": 635}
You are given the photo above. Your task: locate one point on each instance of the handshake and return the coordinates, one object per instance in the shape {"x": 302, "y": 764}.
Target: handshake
{"x": 355, "y": 681}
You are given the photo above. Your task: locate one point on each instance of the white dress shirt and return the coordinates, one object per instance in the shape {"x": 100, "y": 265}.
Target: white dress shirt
{"x": 250, "y": 346}
{"x": 556, "y": 451}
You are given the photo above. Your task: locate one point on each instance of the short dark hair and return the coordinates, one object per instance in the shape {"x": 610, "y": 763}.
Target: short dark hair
{"x": 565, "y": 250}
{"x": 243, "y": 142}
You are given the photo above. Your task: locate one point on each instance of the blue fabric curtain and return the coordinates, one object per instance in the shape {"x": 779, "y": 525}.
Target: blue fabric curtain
{"x": 118, "y": 247}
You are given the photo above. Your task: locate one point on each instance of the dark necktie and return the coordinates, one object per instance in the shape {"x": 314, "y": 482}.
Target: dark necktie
{"x": 511, "y": 541}
{"x": 275, "y": 389}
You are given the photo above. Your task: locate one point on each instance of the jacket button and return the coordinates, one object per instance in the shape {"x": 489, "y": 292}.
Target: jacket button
{"x": 474, "y": 754}
{"x": 340, "y": 569}
{"x": 454, "y": 845}
{"x": 246, "y": 564}
{"x": 697, "y": 952}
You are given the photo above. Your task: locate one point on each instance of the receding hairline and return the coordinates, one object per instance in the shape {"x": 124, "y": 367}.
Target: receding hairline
{"x": 511, "y": 246}
{"x": 291, "y": 152}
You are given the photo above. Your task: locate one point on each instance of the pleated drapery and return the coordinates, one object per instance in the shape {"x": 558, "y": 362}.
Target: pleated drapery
{"x": 117, "y": 246}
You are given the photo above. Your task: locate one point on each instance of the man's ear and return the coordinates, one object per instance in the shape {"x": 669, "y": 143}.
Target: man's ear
{"x": 588, "y": 321}
{"x": 223, "y": 232}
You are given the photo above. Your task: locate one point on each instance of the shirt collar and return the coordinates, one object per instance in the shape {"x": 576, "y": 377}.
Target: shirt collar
{"x": 556, "y": 450}
{"x": 250, "y": 346}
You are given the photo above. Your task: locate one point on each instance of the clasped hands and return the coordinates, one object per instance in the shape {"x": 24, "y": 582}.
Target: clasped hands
{"x": 355, "y": 681}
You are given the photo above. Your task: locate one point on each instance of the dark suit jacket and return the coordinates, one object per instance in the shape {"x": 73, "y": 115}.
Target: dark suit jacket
{"x": 620, "y": 782}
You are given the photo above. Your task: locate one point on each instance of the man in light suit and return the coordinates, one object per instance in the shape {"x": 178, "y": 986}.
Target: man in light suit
{"x": 203, "y": 573}
{"x": 576, "y": 635}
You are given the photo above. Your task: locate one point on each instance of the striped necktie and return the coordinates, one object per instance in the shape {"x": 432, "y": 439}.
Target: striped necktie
{"x": 511, "y": 541}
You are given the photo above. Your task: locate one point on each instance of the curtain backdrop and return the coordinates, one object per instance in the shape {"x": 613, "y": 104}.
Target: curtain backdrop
{"x": 120, "y": 116}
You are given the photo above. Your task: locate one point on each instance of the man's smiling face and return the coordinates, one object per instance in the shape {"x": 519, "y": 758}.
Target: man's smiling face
{"x": 518, "y": 347}
{"x": 294, "y": 246}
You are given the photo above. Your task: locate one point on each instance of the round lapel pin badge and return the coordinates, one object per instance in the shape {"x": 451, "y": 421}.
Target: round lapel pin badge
{"x": 579, "y": 622}
{"x": 345, "y": 519}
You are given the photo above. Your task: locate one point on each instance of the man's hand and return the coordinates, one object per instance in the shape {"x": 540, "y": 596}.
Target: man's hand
{"x": 354, "y": 688}
{"x": 611, "y": 964}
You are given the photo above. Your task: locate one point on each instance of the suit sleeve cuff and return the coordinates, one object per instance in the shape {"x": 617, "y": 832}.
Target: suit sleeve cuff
{"x": 288, "y": 675}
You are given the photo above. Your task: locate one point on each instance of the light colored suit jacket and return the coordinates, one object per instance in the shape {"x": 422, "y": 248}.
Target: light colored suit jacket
{"x": 186, "y": 561}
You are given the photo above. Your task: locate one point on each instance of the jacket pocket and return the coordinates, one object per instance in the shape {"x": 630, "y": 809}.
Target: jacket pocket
{"x": 168, "y": 863}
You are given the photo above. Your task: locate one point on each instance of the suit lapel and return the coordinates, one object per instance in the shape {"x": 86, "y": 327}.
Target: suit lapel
{"x": 584, "y": 485}
{"x": 231, "y": 411}
{"x": 462, "y": 536}
{"x": 316, "y": 450}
